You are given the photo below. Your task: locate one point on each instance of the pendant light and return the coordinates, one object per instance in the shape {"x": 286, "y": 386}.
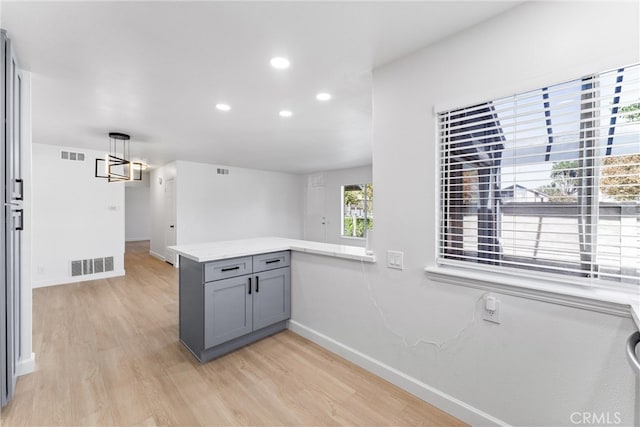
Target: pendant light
{"x": 116, "y": 165}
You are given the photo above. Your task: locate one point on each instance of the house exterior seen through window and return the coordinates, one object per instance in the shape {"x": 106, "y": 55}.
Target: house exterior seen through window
{"x": 547, "y": 180}
{"x": 357, "y": 210}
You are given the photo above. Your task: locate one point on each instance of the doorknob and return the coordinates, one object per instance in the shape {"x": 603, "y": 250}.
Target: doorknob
{"x": 171, "y": 226}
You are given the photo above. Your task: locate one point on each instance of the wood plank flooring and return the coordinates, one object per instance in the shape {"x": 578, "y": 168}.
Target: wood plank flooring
{"x": 107, "y": 353}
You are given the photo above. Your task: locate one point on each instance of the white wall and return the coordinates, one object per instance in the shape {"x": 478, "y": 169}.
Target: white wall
{"x": 323, "y": 204}
{"x": 157, "y": 185}
{"x": 137, "y": 210}
{"x": 245, "y": 203}
{"x": 74, "y": 216}
{"x": 545, "y": 360}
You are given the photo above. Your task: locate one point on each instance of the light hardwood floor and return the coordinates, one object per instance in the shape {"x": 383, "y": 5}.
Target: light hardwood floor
{"x": 108, "y": 354}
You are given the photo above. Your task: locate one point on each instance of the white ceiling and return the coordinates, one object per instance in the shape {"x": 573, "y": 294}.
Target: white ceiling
{"x": 156, "y": 70}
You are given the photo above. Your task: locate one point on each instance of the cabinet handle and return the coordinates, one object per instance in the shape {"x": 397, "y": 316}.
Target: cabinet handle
{"x": 20, "y": 227}
{"x": 257, "y": 284}
{"x": 20, "y": 195}
{"x": 271, "y": 261}
{"x": 249, "y": 285}
{"x": 231, "y": 268}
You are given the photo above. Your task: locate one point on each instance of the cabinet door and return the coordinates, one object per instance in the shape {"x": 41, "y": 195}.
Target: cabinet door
{"x": 227, "y": 309}
{"x": 271, "y": 297}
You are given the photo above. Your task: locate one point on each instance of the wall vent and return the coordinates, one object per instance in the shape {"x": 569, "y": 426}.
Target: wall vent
{"x": 98, "y": 265}
{"x": 222, "y": 171}
{"x": 81, "y": 267}
{"x": 76, "y": 268}
{"x": 71, "y": 155}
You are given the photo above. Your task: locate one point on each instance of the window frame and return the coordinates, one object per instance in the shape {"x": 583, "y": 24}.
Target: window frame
{"x": 488, "y": 276}
{"x": 366, "y": 218}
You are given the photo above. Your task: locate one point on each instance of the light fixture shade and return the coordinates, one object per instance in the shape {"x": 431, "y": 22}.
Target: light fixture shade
{"x": 116, "y": 166}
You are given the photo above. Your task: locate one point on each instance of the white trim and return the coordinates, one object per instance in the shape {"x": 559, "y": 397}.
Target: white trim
{"x": 550, "y": 77}
{"x": 157, "y": 255}
{"x": 24, "y": 367}
{"x": 75, "y": 279}
{"x": 635, "y": 313}
{"x": 353, "y": 238}
{"x": 594, "y": 299}
{"x": 137, "y": 239}
{"x": 439, "y": 399}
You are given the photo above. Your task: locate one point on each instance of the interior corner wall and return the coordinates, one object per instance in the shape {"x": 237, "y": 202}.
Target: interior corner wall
{"x": 323, "y": 204}
{"x": 75, "y": 216}
{"x": 157, "y": 184}
{"x": 545, "y": 361}
{"x": 565, "y": 360}
{"x": 137, "y": 210}
{"x": 244, "y": 203}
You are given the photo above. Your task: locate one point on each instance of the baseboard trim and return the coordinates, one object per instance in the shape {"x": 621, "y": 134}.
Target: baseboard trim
{"x": 437, "y": 398}
{"x": 137, "y": 239}
{"x": 157, "y": 255}
{"x": 85, "y": 278}
{"x": 24, "y": 367}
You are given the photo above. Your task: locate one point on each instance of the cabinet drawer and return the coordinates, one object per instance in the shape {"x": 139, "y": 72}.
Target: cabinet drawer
{"x": 226, "y": 268}
{"x": 270, "y": 261}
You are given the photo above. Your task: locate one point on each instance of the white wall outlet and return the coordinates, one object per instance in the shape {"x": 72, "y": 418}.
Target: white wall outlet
{"x": 491, "y": 311}
{"x": 395, "y": 259}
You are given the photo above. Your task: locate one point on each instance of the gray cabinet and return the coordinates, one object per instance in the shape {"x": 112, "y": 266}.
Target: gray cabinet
{"x": 272, "y": 297}
{"x": 227, "y": 304}
{"x": 227, "y": 310}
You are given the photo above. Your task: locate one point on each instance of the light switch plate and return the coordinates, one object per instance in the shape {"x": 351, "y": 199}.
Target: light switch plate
{"x": 395, "y": 259}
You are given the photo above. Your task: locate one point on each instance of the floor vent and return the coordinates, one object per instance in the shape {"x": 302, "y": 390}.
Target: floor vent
{"x": 222, "y": 171}
{"x": 91, "y": 266}
{"x": 70, "y": 155}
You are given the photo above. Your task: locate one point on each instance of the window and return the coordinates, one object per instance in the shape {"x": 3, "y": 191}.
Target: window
{"x": 357, "y": 210}
{"x": 547, "y": 180}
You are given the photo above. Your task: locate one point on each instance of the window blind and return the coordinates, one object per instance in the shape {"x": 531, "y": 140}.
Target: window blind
{"x": 547, "y": 180}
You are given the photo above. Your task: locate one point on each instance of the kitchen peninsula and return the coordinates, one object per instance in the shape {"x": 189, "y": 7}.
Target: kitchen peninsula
{"x": 233, "y": 293}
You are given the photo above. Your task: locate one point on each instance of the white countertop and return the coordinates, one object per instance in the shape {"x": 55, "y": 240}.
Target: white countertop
{"x": 204, "y": 252}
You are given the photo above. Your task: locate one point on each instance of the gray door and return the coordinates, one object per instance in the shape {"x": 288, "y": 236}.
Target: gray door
{"x": 227, "y": 309}
{"x": 271, "y": 297}
{"x": 12, "y": 215}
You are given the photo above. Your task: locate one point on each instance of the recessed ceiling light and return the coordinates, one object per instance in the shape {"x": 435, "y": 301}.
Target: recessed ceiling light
{"x": 223, "y": 107}
{"x": 323, "y": 96}
{"x": 286, "y": 113}
{"x": 280, "y": 63}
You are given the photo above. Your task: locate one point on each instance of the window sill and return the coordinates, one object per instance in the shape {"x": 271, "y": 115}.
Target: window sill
{"x": 353, "y": 238}
{"x": 611, "y": 301}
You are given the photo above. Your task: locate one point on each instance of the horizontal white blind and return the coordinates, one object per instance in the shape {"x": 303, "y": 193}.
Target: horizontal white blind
{"x": 547, "y": 180}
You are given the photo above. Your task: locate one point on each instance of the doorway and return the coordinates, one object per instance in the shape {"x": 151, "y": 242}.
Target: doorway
{"x": 170, "y": 224}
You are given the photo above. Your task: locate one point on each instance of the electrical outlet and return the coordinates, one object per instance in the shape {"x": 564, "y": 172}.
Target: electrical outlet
{"x": 491, "y": 311}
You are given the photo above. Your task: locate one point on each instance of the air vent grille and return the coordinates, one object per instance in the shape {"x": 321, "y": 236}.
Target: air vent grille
{"x": 82, "y": 267}
{"x": 222, "y": 171}
{"x": 76, "y": 268}
{"x": 71, "y": 155}
{"x": 98, "y": 265}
